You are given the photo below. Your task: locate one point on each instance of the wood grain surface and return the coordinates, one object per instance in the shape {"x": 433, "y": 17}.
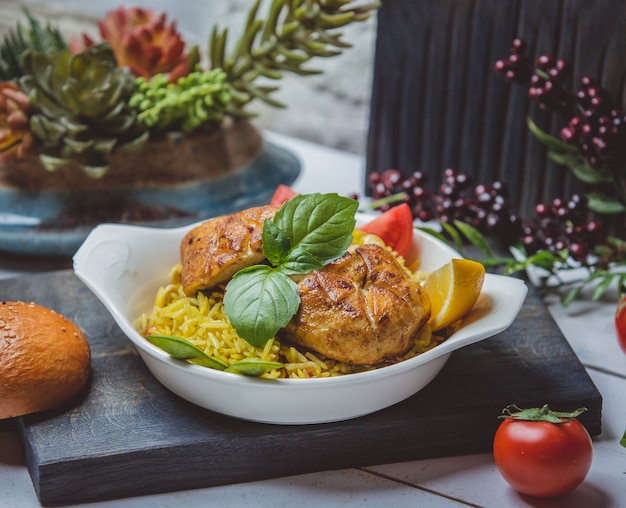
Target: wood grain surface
{"x": 127, "y": 435}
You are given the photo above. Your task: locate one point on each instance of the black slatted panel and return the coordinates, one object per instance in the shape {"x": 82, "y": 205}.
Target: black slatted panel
{"x": 437, "y": 103}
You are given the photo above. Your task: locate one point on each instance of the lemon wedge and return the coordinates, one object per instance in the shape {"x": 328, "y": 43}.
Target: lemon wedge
{"x": 453, "y": 288}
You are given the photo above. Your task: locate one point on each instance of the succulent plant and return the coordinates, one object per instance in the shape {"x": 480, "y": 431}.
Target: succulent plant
{"x": 194, "y": 100}
{"x": 80, "y": 107}
{"x": 294, "y": 32}
{"x": 91, "y": 99}
{"x": 15, "y": 135}
{"x": 145, "y": 42}
{"x": 35, "y": 36}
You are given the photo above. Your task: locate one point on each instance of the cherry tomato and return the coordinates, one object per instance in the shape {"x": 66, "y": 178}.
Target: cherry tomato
{"x": 394, "y": 227}
{"x": 281, "y": 194}
{"x": 620, "y": 323}
{"x": 542, "y": 453}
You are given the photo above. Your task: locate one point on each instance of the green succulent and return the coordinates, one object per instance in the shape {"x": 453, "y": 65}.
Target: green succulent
{"x": 195, "y": 99}
{"x": 35, "y": 36}
{"x": 81, "y": 107}
{"x": 295, "y": 32}
{"x": 86, "y": 107}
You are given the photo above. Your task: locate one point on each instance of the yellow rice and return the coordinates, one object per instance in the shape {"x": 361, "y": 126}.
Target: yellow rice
{"x": 201, "y": 320}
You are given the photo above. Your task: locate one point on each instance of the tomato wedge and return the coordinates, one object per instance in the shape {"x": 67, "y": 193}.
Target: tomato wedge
{"x": 281, "y": 194}
{"x": 394, "y": 227}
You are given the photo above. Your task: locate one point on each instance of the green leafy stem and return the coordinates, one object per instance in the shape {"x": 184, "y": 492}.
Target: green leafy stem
{"x": 567, "y": 155}
{"x": 604, "y": 274}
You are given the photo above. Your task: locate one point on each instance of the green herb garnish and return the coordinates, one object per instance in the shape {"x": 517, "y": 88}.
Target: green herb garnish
{"x": 254, "y": 367}
{"x": 309, "y": 231}
{"x": 182, "y": 349}
{"x": 185, "y": 350}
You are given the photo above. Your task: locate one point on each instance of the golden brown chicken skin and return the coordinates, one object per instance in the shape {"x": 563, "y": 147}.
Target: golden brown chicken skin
{"x": 362, "y": 308}
{"x": 212, "y": 252}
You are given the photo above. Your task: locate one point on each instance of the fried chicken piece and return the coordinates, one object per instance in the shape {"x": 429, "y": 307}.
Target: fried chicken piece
{"x": 362, "y": 308}
{"x": 212, "y": 252}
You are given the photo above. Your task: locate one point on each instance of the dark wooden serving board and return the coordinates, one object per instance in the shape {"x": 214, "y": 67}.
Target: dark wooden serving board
{"x": 127, "y": 435}
{"x": 437, "y": 103}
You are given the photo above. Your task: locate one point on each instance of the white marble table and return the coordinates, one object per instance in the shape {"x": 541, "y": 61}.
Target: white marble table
{"x": 469, "y": 480}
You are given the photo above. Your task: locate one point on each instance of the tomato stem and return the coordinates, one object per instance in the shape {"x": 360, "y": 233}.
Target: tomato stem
{"x": 542, "y": 414}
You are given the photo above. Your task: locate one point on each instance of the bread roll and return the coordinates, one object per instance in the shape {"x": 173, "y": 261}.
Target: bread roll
{"x": 44, "y": 359}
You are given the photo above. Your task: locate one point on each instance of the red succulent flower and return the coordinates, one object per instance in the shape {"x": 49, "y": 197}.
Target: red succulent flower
{"x": 143, "y": 41}
{"x": 16, "y": 137}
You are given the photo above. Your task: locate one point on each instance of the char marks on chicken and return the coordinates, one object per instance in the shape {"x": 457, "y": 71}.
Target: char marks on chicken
{"x": 212, "y": 252}
{"x": 362, "y": 308}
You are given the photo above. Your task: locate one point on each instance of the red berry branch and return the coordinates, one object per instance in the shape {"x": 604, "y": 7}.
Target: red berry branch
{"x": 564, "y": 234}
{"x": 593, "y": 138}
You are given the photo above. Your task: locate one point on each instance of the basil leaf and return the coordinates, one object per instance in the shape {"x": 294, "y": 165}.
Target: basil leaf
{"x": 182, "y": 349}
{"x": 276, "y": 243}
{"x": 300, "y": 261}
{"x": 253, "y": 367}
{"x": 259, "y": 301}
{"x": 318, "y": 224}
{"x": 307, "y": 232}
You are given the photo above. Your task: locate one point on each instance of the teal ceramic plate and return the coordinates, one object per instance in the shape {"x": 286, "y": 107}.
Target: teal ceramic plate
{"x": 55, "y": 223}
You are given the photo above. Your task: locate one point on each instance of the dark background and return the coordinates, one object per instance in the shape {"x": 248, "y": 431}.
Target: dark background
{"x": 437, "y": 103}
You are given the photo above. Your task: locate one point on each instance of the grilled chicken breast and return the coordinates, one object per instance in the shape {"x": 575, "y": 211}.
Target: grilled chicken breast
{"x": 212, "y": 252}
{"x": 362, "y": 308}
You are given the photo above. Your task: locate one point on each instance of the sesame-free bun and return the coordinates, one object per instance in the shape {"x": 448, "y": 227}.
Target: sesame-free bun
{"x": 44, "y": 359}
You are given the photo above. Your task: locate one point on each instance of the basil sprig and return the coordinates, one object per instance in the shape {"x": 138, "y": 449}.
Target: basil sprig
{"x": 308, "y": 232}
{"x": 182, "y": 349}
